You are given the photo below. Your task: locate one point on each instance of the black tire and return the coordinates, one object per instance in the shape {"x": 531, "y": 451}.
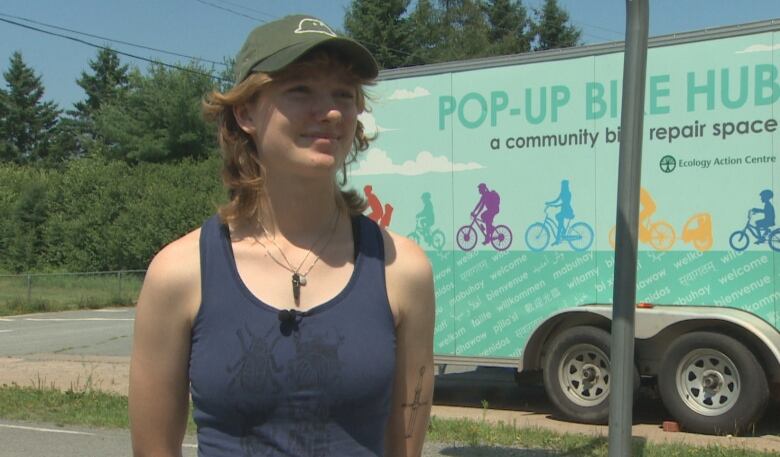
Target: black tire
{"x": 711, "y": 383}
{"x": 577, "y": 374}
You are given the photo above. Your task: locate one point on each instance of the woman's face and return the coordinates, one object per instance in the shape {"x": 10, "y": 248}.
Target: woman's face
{"x": 304, "y": 124}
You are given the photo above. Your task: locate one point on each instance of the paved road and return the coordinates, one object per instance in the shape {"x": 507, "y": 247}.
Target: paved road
{"x": 98, "y": 332}
{"x": 21, "y": 439}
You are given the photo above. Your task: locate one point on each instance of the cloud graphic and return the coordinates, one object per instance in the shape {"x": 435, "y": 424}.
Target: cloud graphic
{"x": 759, "y": 48}
{"x": 403, "y": 94}
{"x": 370, "y": 127}
{"x": 376, "y": 162}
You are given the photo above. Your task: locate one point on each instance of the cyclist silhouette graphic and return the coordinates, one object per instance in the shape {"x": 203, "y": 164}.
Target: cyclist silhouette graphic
{"x": 660, "y": 234}
{"x": 378, "y": 214}
{"x": 424, "y": 229}
{"x": 769, "y": 215}
{"x": 500, "y": 236}
{"x": 489, "y": 202}
{"x": 566, "y": 212}
{"x": 425, "y": 218}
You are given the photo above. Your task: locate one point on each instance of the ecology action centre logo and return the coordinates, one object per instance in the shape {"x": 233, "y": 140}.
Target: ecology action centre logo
{"x": 669, "y": 163}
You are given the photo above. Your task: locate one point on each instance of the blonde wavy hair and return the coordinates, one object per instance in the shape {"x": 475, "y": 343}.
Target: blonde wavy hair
{"x": 242, "y": 173}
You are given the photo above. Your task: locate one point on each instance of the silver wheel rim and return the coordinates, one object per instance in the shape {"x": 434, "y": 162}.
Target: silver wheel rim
{"x": 708, "y": 382}
{"x": 584, "y": 375}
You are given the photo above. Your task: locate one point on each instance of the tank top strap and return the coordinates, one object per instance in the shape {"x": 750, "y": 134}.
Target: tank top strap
{"x": 215, "y": 267}
{"x": 369, "y": 243}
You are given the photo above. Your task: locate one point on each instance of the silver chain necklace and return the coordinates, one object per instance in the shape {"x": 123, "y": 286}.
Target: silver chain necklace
{"x": 298, "y": 278}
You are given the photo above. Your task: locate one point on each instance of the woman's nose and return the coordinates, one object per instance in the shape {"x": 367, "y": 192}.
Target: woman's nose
{"x": 326, "y": 108}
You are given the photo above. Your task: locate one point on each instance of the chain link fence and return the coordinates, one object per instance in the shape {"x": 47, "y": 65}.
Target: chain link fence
{"x": 37, "y": 292}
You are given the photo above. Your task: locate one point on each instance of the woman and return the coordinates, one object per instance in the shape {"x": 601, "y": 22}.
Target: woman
{"x": 298, "y": 326}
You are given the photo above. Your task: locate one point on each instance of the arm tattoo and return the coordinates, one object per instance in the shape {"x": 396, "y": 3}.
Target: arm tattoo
{"x": 415, "y": 405}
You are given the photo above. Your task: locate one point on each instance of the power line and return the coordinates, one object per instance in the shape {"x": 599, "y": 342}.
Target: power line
{"x": 79, "y": 40}
{"x": 616, "y": 32}
{"x": 56, "y": 27}
{"x": 230, "y": 11}
{"x": 270, "y": 16}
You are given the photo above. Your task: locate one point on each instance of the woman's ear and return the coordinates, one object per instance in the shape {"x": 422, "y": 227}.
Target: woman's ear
{"x": 244, "y": 119}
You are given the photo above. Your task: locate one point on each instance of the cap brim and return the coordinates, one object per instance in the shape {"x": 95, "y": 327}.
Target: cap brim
{"x": 362, "y": 60}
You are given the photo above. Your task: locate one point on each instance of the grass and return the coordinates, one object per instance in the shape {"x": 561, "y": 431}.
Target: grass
{"x": 79, "y": 405}
{"x": 83, "y": 405}
{"x": 20, "y": 294}
{"x": 485, "y": 434}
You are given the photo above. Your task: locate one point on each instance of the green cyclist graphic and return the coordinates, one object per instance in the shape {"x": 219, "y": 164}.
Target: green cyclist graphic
{"x": 424, "y": 230}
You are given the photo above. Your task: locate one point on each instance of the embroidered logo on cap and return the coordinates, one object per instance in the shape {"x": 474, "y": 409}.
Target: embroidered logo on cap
{"x": 314, "y": 26}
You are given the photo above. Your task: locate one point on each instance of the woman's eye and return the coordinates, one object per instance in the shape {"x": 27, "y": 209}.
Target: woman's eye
{"x": 346, "y": 94}
{"x": 299, "y": 90}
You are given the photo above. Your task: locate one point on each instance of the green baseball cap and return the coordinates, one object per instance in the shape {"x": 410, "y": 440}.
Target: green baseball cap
{"x": 272, "y": 46}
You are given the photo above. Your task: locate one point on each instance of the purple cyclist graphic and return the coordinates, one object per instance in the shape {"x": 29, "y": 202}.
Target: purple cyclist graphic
{"x": 482, "y": 218}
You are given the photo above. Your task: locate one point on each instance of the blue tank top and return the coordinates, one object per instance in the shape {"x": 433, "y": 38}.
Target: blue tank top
{"x": 316, "y": 384}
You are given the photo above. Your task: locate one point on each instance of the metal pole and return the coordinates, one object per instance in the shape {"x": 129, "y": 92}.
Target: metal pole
{"x": 29, "y": 288}
{"x": 629, "y": 174}
{"x": 119, "y": 277}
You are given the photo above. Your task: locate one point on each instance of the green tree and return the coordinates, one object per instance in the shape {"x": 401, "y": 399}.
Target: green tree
{"x": 26, "y": 245}
{"x": 381, "y": 27}
{"x": 425, "y": 33}
{"x": 158, "y": 118}
{"x": 26, "y": 121}
{"x": 509, "y": 24}
{"x": 464, "y": 30}
{"x": 105, "y": 84}
{"x": 552, "y": 29}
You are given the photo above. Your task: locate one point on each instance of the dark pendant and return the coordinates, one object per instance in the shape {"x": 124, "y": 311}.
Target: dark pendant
{"x": 296, "y": 286}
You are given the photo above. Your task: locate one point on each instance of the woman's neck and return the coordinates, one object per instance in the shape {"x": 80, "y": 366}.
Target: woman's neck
{"x": 299, "y": 211}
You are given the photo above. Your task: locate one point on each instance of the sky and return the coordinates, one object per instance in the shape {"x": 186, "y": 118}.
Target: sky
{"x": 215, "y": 29}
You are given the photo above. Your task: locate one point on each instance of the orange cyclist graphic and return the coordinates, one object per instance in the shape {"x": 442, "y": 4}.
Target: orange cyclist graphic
{"x": 660, "y": 235}
{"x": 380, "y": 215}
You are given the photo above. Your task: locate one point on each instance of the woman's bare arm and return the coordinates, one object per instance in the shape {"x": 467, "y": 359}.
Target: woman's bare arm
{"x": 410, "y": 290}
{"x": 159, "y": 382}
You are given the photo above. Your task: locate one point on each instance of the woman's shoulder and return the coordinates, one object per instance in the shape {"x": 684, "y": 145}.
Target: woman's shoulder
{"x": 404, "y": 254}
{"x": 409, "y": 278}
{"x": 173, "y": 276}
{"x": 406, "y": 264}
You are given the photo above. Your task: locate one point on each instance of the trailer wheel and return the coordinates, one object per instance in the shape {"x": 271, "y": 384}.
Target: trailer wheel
{"x": 711, "y": 383}
{"x": 577, "y": 374}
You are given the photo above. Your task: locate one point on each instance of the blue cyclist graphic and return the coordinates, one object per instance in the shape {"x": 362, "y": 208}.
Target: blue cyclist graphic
{"x": 769, "y": 215}
{"x": 578, "y": 235}
{"x": 566, "y": 212}
{"x": 760, "y": 229}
